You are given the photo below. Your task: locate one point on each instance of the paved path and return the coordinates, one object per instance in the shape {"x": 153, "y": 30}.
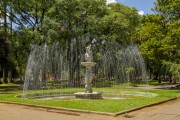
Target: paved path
{"x": 166, "y": 111}
{"x": 16, "y": 112}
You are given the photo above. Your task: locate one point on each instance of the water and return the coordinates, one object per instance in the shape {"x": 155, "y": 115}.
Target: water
{"x": 111, "y": 96}
{"x": 53, "y": 71}
{"x": 46, "y": 69}
{"x": 123, "y": 65}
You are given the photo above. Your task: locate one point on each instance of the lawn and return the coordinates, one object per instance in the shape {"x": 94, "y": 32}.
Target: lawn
{"x": 104, "y": 105}
{"x": 10, "y": 87}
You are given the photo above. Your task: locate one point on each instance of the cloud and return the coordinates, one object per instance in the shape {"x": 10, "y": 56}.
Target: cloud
{"x": 111, "y": 1}
{"x": 141, "y": 12}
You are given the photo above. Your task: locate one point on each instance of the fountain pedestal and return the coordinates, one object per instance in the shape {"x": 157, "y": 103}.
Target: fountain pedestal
{"x": 88, "y": 76}
{"x": 88, "y": 94}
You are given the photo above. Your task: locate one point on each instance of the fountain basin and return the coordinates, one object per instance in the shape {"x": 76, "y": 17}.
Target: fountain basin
{"x": 93, "y": 95}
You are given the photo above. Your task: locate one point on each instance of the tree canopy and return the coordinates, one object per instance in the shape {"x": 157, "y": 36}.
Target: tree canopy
{"x": 73, "y": 24}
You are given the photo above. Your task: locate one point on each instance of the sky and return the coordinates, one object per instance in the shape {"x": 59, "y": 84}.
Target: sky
{"x": 143, "y": 6}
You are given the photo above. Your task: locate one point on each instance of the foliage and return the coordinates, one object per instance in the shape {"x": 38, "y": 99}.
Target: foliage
{"x": 120, "y": 24}
{"x": 169, "y": 9}
{"x": 73, "y": 24}
{"x": 174, "y": 70}
{"x": 159, "y": 37}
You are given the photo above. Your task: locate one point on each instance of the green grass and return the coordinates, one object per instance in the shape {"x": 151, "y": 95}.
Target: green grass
{"x": 155, "y": 82}
{"x": 10, "y": 87}
{"x": 110, "y": 106}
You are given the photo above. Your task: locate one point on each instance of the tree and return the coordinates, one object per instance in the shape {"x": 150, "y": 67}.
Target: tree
{"x": 5, "y": 42}
{"x": 169, "y": 9}
{"x": 119, "y": 24}
{"x": 76, "y": 20}
{"x": 160, "y": 36}
{"x": 72, "y": 24}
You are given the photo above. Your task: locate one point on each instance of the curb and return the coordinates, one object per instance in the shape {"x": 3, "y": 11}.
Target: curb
{"x": 77, "y": 112}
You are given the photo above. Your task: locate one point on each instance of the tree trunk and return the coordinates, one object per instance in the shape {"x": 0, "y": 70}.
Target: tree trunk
{"x": 159, "y": 72}
{"x": 78, "y": 62}
{"x": 5, "y": 20}
{"x": 70, "y": 62}
{"x": 159, "y": 81}
{"x": 5, "y": 71}
{"x": 170, "y": 78}
{"x": 10, "y": 76}
{"x": 5, "y": 75}
{"x": 59, "y": 72}
{"x": 155, "y": 76}
{"x": 11, "y": 24}
{"x": 150, "y": 73}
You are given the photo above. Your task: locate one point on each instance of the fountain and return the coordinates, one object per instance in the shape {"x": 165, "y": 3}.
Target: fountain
{"x": 88, "y": 94}
{"x": 48, "y": 71}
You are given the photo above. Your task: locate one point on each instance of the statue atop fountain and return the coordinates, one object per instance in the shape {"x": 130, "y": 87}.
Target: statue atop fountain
{"x": 88, "y": 94}
{"x": 88, "y": 54}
